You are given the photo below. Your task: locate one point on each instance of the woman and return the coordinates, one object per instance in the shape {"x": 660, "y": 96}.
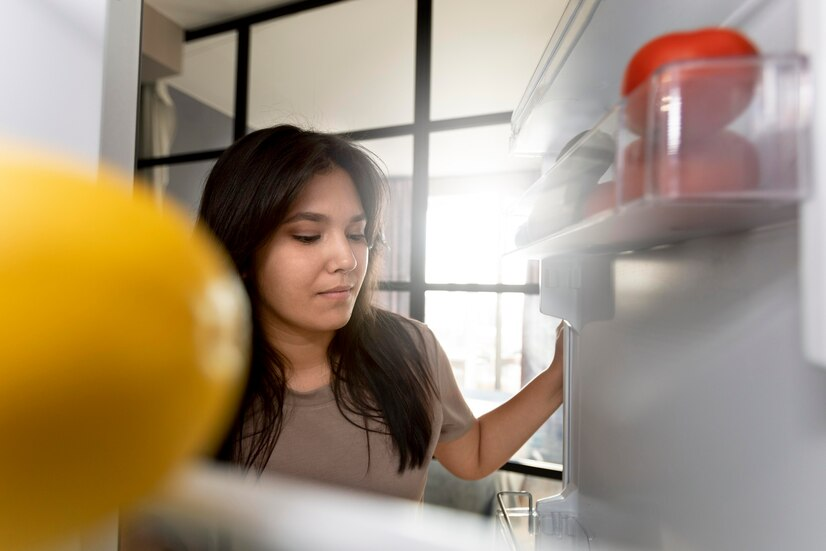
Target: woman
{"x": 341, "y": 391}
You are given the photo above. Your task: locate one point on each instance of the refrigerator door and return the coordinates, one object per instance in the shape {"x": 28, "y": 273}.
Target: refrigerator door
{"x": 697, "y": 417}
{"x": 700, "y": 423}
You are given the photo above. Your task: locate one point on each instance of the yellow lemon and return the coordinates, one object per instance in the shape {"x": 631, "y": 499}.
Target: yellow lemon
{"x": 124, "y": 340}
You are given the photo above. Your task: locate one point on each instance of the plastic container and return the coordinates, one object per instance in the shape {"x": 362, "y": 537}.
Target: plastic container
{"x": 706, "y": 146}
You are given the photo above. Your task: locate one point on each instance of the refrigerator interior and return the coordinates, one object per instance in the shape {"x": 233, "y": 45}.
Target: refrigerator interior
{"x": 695, "y": 416}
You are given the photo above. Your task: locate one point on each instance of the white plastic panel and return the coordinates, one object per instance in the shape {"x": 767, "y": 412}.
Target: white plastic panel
{"x": 121, "y": 76}
{"x": 813, "y": 215}
{"x": 578, "y": 289}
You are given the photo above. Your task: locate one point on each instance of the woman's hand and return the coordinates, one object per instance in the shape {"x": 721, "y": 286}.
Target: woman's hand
{"x": 557, "y": 361}
{"x": 498, "y": 434}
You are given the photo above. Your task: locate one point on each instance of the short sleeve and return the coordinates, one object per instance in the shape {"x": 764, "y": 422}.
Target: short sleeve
{"x": 457, "y": 417}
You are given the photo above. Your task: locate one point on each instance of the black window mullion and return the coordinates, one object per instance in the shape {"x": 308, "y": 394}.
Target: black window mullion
{"x": 524, "y": 288}
{"x": 421, "y": 152}
{"x": 180, "y": 158}
{"x": 537, "y": 468}
{"x": 242, "y": 80}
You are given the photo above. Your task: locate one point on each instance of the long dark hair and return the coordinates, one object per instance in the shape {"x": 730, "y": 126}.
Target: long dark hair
{"x": 379, "y": 376}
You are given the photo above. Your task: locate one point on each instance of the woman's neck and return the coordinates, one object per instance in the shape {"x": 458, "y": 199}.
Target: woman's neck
{"x": 309, "y": 377}
{"x": 308, "y": 366}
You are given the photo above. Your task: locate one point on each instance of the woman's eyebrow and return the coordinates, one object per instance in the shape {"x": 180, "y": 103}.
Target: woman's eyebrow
{"x": 318, "y": 217}
{"x": 310, "y": 216}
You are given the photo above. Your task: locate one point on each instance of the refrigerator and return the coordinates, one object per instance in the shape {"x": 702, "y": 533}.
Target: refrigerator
{"x": 688, "y": 263}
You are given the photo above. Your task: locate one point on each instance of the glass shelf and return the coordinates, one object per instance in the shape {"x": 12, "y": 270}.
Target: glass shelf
{"x": 703, "y": 147}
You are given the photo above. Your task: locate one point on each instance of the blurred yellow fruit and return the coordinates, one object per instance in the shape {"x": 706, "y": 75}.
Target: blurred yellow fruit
{"x": 123, "y": 346}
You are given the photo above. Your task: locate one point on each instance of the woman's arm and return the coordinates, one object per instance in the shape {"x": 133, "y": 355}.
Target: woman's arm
{"x": 498, "y": 434}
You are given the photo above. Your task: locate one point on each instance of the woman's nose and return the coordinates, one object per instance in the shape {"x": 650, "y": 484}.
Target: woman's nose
{"x": 343, "y": 256}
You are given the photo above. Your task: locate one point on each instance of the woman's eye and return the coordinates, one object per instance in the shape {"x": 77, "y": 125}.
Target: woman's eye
{"x": 357, "y": 237}
{"x": 307, "y": 238}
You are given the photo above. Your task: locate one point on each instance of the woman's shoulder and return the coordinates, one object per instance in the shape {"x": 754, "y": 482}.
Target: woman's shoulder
{"x": 417, "y": 334}
{"x": 416, "y": 329}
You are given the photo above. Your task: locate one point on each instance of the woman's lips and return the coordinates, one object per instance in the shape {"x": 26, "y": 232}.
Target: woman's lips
{"x": 337, "y": 292}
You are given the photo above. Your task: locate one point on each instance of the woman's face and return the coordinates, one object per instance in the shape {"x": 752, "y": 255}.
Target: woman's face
{"x": 312, "y": 269}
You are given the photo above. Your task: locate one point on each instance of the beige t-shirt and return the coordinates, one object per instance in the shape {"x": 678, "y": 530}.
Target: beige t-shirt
{"x": 318, "y": 443}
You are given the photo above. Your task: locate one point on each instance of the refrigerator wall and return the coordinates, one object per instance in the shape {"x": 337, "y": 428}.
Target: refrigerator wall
{"x": 696, "y": 416}
{"x": 71, "y": 89}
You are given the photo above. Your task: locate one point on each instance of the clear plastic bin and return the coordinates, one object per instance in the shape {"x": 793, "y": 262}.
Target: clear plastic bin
{"x": 702, "y": 147}
{"x": 526, "y": 529}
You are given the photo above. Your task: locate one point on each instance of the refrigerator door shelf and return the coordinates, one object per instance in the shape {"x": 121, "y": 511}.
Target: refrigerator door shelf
{"x": 557, "y": 524}
{"x": 560, "y": 531}
{"x": 703, "y": 147}
{"x": 553, "y": 527}
{"x": 210, "y": 506}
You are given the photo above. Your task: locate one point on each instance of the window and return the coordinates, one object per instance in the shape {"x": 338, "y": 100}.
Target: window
{"x": 428, "y": 86}
{"x": 334, "y": 74}
{"x": 472, "y": 182}
{"x": 204, "y": 95}
{"x": 484, "y": 53}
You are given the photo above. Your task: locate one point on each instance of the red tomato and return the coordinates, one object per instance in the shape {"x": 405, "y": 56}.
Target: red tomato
{"x": 724, "y": 163}
{"x": 710, "y": 89}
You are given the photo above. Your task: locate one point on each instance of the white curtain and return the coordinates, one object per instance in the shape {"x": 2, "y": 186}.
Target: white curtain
{"x": 157, "y": 130}
{"x": 397, "y": 236}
